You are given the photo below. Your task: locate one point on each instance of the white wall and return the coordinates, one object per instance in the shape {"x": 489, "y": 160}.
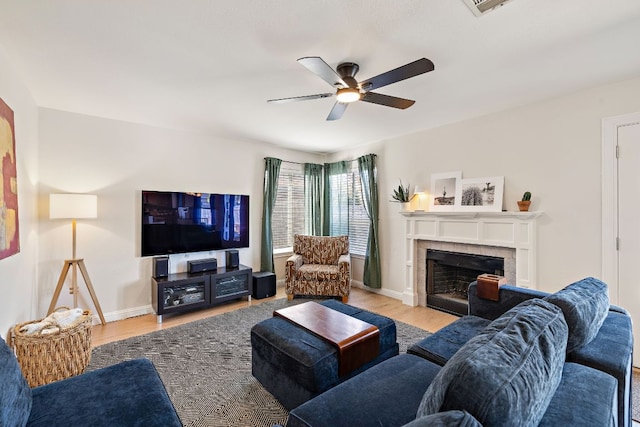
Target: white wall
{"x": 18, "y": 273}
{"x": 116, "y": 160}
{"x": 551, "y": 148}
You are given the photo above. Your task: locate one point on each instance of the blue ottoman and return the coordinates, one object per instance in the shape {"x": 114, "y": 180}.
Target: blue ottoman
{"x": 295, "y": 365}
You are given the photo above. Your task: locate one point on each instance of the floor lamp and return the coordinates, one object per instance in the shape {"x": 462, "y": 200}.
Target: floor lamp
{"x": 74, "y": 206}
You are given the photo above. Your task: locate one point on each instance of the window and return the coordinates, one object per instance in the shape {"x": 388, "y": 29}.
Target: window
{"x": 348, "y": 214}
{"x": 288, "y": 212}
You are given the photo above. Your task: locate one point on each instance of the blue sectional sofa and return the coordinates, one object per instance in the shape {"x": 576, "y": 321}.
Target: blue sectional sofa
{"x": 609, "y": 348}
{"x": 534, "y": 360}
{"x": 127, "y": 394}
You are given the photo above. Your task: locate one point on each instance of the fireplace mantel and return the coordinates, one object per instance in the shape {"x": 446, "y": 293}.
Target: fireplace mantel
{"x": 516, "y": 230}
{"x": 519, "y": 215}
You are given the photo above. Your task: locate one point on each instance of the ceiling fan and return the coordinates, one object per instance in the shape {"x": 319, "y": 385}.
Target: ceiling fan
{"x": 349, "y": 90}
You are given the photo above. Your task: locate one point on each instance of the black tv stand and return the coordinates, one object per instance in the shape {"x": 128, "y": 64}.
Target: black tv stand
{"x": 181, "y": 292}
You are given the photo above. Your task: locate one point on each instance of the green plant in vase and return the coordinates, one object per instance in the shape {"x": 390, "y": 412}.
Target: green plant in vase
{"x": 402, "y": 195}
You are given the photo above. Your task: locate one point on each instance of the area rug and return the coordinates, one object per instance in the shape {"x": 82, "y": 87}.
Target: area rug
{"x": 206, "y": 366}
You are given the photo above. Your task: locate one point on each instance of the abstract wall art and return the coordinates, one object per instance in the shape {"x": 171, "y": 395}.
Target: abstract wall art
{"x": 9, "y": 231}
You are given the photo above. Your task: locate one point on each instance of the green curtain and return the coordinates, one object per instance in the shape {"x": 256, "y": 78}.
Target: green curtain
{"x": 313, "y": 199}
{"x": 335, "y": 215}
{"x": 271, "y": 173}
{"x": 368, "y": 176}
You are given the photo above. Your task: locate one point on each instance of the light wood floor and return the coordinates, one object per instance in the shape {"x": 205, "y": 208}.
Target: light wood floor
{"x": 425, "y": 318}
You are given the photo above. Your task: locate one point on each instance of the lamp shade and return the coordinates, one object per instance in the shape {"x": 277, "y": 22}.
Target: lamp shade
{"x": 348, "y": 94}
{"x": 73, "y": 206}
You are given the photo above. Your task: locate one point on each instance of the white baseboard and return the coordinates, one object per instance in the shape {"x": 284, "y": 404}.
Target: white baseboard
{"x": 124, "y": 314}
{"x": 382, "y": 291}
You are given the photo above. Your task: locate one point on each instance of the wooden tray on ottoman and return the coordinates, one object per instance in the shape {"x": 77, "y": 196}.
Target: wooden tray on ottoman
{"x": 357, "y": 342}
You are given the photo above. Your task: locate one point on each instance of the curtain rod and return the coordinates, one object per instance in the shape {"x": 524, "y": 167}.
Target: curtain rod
{"x": 303, "y": 163}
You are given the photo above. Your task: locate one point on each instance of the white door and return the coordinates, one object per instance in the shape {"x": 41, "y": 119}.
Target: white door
{"x": 629, "y": 225}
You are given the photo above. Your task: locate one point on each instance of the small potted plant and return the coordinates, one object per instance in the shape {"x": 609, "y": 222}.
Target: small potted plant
{"x": 401, "y": 194}
{"x": 523, "y": 204}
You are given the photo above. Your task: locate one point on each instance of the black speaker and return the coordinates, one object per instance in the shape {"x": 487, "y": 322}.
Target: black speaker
{"x": 264, "y": 285}
{"x": 202, "y": 265}
{"x": 232, "y": 258}
{"x": 161, "y": 266}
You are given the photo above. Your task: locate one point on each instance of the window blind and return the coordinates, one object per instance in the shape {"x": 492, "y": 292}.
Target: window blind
{"x": 348, "y": 214}
{"x": 288, "y": 213}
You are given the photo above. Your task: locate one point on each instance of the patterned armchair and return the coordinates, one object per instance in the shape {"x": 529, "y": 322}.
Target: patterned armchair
{"x": 320, "y": 265}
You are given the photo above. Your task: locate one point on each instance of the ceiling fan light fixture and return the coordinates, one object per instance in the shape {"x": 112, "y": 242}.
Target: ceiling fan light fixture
{"x": 348, "y": 94}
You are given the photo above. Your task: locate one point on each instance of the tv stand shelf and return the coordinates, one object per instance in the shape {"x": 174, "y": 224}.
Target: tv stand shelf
{"x": 181, "y": 292}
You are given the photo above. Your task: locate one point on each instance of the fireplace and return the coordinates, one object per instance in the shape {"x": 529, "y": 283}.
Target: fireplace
{"x": 448, "y": 275}
{"x": 507, "y": 235}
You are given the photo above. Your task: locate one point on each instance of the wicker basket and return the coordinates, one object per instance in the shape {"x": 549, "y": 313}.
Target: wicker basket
{"x": 45, "y": 358}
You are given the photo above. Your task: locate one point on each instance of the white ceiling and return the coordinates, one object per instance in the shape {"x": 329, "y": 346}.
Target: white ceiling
{"x": 209, "y": 66}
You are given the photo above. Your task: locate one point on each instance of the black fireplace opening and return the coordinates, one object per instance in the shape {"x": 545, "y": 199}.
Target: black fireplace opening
{"x": 449, "y": 275}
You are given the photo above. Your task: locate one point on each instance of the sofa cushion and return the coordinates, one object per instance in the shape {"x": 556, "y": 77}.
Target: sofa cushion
{"x": 387, "y": 394}
{"x": 318, "y": 272}
{"x": 126, "y": 394}
{"x": 507, "y": 374}
{"x": 15, "y": 394}
{"x": 585, "y": 305}
{"x": 442, "y": 345}
{"x": 320, "y": 249}
{"x": 445, "y": 419}
{"x": 585, "y": 397}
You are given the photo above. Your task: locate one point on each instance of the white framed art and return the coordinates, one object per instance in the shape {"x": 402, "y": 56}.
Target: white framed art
{"x": 480, "y": 194}
{"x": 444, "y": 188}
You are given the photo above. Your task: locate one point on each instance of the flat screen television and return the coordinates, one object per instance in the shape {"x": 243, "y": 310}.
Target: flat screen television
{"x": 175, "y": 222}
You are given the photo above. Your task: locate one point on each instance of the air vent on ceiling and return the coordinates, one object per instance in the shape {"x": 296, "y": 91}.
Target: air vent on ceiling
{"x": 480, "y": 7}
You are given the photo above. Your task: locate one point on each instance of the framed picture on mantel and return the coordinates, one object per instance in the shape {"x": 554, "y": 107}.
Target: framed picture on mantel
{"x": 443, "y": 195}
{"x": 480, "y": 194}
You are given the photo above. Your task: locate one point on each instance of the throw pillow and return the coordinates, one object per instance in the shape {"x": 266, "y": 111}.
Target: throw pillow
{"x": 507, "y": 374}
{"x": 585, "y": 305}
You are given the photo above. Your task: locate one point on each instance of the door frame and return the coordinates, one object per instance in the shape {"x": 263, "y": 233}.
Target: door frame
{"x": 610, "y": 126}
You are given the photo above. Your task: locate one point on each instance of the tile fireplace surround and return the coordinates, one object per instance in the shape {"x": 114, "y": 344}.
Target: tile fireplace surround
{"x": 508, "y": 235}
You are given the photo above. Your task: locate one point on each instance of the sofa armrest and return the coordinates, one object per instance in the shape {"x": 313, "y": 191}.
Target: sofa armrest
{"x": 619, "y": 310}
{"x": 295, "y": 260}
{"x": 344, "y": 259}
{"x": 344, "y": 266}
{"x": 509, "y": 297}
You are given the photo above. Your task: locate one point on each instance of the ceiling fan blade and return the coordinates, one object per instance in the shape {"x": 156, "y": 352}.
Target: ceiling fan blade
{"x": 337, "y": 111}
{"x": 300, "y": 98}
{"x": 386, "y": 100}
{"x": 412, "y": 69}
{"x": 317, "y": 66}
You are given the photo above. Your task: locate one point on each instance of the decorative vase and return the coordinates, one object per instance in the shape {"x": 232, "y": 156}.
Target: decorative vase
{"x": 405, "y": 206}
{"x": 523, "y": 205}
